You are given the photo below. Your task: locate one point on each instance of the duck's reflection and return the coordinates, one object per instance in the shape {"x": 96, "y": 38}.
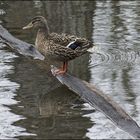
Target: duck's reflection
{"x": 50, "y": 109}
{"x": 58, "y": 103}
{"x": 54, "y": 102}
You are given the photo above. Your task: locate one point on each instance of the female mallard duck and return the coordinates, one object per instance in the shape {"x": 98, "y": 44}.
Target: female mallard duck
{"x": 60, "y": 47}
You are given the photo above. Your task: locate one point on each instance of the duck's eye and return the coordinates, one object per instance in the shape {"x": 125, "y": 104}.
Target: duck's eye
{"x": 31, "y": 48}
{"x": 35, "y": 21}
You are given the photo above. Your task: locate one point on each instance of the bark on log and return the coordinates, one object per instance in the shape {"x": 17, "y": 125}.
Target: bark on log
{"x": 19, "y": 46}
{"x": 86, "y": 91}
{"x": 96, "y": 98}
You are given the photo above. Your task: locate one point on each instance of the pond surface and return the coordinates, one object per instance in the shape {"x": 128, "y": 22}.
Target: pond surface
{"x": 32, "y": 102}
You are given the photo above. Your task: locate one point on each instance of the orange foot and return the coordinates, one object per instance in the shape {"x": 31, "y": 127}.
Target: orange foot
{"x": 62, "y": 70}
{"x": 59, "y": 72}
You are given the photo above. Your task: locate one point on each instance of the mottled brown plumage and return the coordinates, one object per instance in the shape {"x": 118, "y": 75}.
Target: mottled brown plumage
{"x": 59, "y": 47}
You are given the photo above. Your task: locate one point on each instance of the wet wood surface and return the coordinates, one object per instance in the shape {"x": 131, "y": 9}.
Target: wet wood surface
{"x": 88, "y": 92}
{"x": 97, "y": 99}
{"x": 19, "y": 46}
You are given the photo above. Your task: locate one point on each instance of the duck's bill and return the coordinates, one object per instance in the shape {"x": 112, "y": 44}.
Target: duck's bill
{"x": 30, "y": 25}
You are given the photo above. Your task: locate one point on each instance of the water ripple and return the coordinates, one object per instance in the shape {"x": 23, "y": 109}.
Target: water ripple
{"x": 120, "y": 57}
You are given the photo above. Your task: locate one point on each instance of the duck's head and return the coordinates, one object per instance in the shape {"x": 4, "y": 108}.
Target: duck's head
{"x": 37, "y": 22}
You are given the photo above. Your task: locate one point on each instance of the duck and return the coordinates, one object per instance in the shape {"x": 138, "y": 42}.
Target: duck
{"x": 59, "y": 47}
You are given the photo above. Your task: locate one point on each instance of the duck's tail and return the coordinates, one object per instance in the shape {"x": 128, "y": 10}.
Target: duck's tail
{"x": 92, "y": 49}
{"x": 89, "y": 47}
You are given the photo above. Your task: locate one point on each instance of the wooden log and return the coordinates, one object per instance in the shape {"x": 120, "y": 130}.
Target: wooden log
{"x": 86, "y": 91}
{"x": 19, "y": 46}
{"x": 96, "y": 98}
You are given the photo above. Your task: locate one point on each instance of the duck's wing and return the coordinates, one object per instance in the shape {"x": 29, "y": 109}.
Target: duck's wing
{"x": 62, "y": 53}
{"x": 62, "y": 39}
{"x": 65, "y": 40}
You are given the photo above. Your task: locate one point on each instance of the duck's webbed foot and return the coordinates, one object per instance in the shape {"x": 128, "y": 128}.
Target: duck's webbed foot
{"x": 62, "y": 70}
{"x": 59, "y": 71}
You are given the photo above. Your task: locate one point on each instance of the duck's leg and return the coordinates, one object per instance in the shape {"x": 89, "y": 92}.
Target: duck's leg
{"x": 65, "y": 66}
{"x": 62, "y": 70}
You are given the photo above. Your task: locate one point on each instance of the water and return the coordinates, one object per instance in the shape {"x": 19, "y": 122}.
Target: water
{"x": 32, "y": 102}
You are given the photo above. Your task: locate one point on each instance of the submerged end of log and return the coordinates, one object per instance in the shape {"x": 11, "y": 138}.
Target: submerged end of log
{"x": 18, "y": 45}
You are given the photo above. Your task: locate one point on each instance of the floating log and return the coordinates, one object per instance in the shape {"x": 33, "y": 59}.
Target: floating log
{"x": 19, "y": 46}
{"x": 88, "y": 92}
{"x": 97, "y": 99}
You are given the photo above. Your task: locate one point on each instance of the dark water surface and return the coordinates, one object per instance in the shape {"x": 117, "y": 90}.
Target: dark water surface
{"x": 32, "y": 102}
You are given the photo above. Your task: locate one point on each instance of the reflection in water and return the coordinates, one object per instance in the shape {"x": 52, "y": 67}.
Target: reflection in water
{"x": 116, "y": 75}
{"x": 51, "y": 110}
{"x": 51, "y": 104}
{"x": 7, "y": 94}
